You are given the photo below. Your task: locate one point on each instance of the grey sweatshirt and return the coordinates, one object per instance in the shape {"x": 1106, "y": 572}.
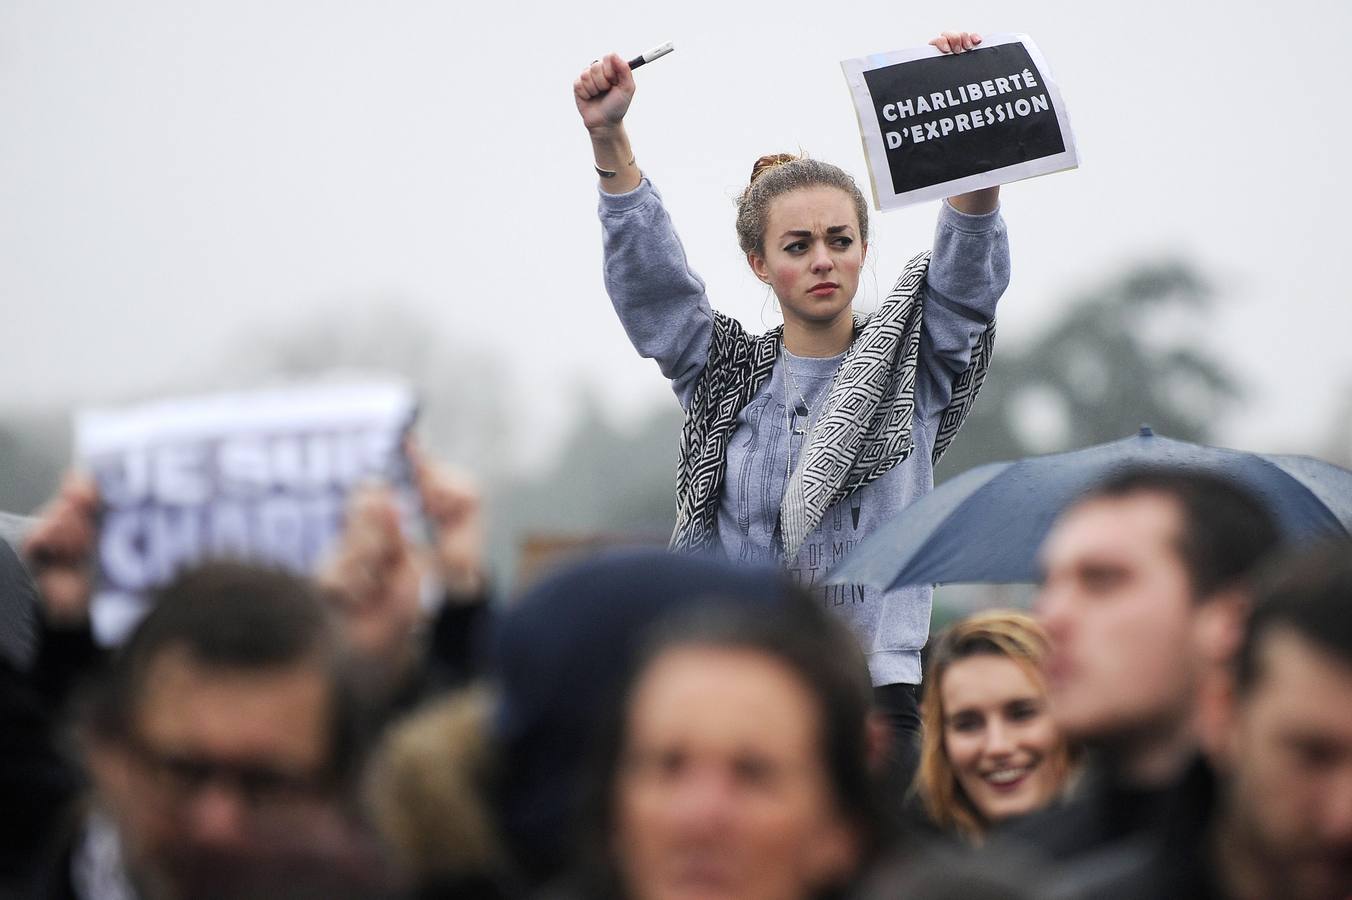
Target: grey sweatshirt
{"x": 665, "y": 311}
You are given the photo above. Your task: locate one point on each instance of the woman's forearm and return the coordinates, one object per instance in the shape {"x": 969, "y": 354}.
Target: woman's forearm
{"x": 976, "y": 203}
{"x": 612, "y": 152}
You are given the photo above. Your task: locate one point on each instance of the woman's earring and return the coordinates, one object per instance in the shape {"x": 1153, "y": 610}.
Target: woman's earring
{"x": 768, "y": 295}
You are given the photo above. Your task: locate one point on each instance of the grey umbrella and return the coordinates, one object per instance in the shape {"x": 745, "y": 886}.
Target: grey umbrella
{"x": 988, "y": 523}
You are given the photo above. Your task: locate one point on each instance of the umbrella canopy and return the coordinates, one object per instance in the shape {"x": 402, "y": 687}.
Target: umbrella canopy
{"x": 988, "y": 523}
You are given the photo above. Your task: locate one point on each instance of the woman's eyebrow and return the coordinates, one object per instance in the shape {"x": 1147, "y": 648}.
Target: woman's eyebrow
{"x": 803, "y": 232}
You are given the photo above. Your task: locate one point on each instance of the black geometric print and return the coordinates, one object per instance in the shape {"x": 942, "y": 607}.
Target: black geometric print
{"x": 864, "y": 429}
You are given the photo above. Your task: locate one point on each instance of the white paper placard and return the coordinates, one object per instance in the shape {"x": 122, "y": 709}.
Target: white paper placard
{"x": 939, "y": 124}
{"x": 258, "y": 475}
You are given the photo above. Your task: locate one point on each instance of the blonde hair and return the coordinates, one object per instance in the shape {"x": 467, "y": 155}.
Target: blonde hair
{"x": 428, "y": 790}
{"x": 779, "y": 173}
{"x": 1006, "y": 633}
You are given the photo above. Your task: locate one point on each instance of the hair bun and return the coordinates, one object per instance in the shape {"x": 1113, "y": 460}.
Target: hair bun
{"x": 766, "y": 163}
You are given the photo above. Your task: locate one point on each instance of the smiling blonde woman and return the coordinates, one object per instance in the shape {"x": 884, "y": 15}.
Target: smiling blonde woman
{"x": 990, "y": 749}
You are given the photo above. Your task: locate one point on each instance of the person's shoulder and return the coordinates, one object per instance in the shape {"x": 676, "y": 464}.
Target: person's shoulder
{"x": 1085, "y": 818}
{"x": 1099, "y": 813}
{"x": 1113, "y": 843}
{"x": 914, "y": 824}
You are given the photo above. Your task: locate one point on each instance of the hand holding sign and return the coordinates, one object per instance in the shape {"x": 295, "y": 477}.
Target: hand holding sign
{"x": 375, "y": 578}
{"x": 936, "y": 125}
{"x": 956, "y": 41}
{"x": 985, "y": 200}
{"x": 60, "y": 551}
{"x": 452, "y": 504}
{"x": 377, "y": 574}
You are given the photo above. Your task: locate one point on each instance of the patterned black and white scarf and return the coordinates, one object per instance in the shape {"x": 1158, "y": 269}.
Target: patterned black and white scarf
{"x": 863, "y": 430}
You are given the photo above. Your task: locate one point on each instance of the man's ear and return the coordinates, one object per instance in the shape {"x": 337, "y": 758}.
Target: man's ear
{"x": 757, "y": 264}
{"x": 1220, "y": 626}
{"x": 1218, "y": 632}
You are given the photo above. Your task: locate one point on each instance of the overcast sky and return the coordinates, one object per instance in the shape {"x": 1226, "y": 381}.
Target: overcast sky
{"x": 175, "y": 173}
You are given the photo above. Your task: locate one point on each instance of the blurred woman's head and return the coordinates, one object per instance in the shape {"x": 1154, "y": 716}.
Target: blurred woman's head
{"x": 803, "y": 225}
{"x": 990, "y": 748}
{"x": 740, "y": 766}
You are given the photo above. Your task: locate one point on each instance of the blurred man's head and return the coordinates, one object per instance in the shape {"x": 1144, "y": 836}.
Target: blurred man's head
{"x": 1287, "y": 816}
{"x": 1128, "y": 570}
{"x": 226, "y": 727}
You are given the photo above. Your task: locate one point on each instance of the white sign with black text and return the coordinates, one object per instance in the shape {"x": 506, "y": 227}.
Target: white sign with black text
{"x": 938, "y": 124}
{"x": 260, "y": 475}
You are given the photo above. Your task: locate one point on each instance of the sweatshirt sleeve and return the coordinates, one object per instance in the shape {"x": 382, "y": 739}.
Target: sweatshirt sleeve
{"x": 660, "y": 301}
{"x": 968, "y": 271}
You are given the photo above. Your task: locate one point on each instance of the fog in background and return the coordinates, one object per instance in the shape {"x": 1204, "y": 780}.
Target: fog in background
{"x": 199, "y": 194}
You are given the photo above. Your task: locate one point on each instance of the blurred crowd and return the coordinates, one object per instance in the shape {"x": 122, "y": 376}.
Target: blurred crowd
{"x": 1173, "y": 718}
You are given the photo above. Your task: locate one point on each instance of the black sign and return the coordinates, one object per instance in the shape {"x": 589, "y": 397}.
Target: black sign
{"x": 948, "y": 117}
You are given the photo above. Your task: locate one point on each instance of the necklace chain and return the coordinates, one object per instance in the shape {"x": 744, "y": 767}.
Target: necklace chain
{"x": 793, "y": 378}
{"x": 805, "y": 411}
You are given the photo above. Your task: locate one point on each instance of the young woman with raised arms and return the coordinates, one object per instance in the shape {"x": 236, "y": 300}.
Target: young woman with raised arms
{"x": 801, "y": 441}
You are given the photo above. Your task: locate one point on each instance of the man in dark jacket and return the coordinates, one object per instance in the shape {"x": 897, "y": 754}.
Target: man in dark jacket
{"x": 1143, "y": 592}
{"x": 1282, "y": 826}
{"x": 223, "y": 743}
{"x": 40, "y": 657}
{"x": 1268, "y": 812}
